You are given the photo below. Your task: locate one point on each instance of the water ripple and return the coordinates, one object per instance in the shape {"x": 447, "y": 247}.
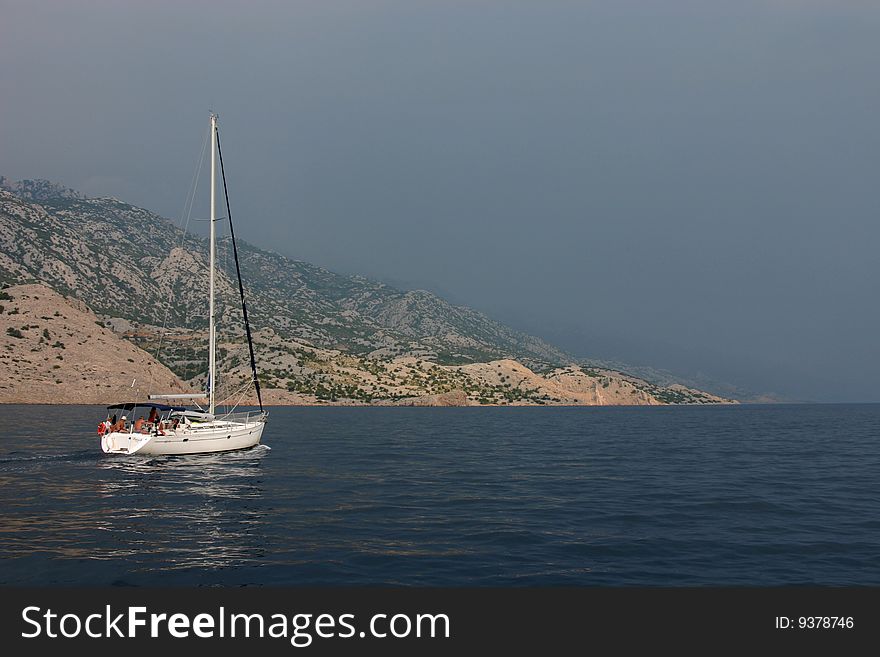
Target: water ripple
{"x": 767, "y": 495}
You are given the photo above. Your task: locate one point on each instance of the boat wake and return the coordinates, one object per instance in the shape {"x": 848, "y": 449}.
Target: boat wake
{"x": 23, "y": 458}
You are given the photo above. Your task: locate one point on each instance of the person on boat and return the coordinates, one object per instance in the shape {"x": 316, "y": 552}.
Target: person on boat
{"x": 139, "y": 425}
{"x": 154, "y": 416}
{"x": 118, "y": 426}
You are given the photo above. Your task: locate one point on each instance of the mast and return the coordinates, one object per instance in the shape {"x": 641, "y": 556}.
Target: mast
{"x": 212, "y": 354}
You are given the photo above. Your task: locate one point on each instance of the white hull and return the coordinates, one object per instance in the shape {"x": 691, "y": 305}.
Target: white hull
{"x": 216, "y": 436}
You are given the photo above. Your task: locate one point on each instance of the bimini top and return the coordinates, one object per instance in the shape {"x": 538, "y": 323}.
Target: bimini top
{"x": 159, "y": 407}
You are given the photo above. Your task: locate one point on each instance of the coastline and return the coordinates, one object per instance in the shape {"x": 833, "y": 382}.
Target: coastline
{"x": 404, "y": 404}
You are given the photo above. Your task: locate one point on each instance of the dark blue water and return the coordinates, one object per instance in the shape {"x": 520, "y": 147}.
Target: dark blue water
{"x": 760, "y": 495}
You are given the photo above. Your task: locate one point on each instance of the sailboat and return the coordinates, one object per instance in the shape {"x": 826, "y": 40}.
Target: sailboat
{"x": 176, "y": 429}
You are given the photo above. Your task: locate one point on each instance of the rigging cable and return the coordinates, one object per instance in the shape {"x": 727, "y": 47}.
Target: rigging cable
{"x": 231, "y": 356}
{"x": 185, "y": 216}
{"x": 247, "y": 326}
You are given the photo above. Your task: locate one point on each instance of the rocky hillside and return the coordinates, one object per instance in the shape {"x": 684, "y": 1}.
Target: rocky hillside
{"x": 299, "y": 373}
{"x": 321, "y": 337}
{"x": 54, "y": 350}
{"x": 127, "y": 262}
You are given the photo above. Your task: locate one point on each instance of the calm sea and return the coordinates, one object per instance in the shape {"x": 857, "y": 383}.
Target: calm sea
{"x": 751, "y": 495}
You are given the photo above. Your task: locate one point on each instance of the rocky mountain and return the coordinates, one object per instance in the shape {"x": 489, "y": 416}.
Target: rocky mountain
{"x": 127, "y": 262}
{"x": 320, "y": 336}
{"x": 55, "y": 350}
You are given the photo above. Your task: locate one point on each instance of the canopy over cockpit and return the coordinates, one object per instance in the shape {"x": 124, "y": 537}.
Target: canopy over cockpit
{"x": 130, "y": 406}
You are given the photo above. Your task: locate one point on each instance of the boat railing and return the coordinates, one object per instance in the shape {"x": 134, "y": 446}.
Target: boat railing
{"x": 242, "y": 417}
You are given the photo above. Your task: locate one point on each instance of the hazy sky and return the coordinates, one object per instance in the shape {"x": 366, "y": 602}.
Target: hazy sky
{"x": 685, "y": 184}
